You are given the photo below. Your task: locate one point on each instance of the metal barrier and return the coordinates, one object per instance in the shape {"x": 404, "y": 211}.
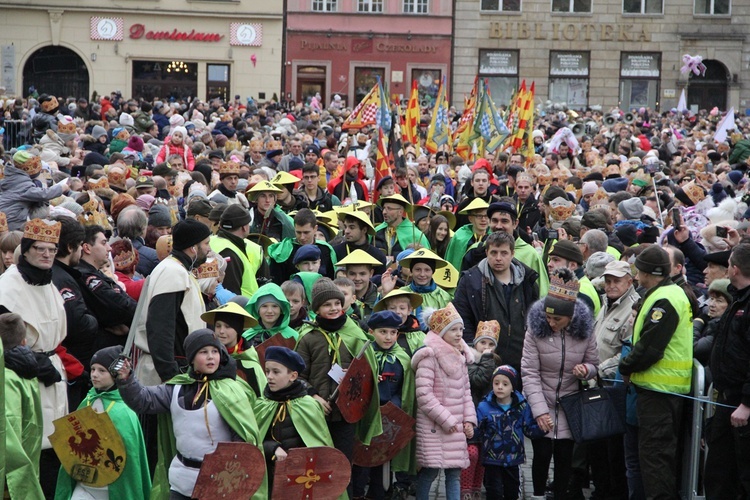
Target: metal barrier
{"x": 692, "y": 463}
{"x": 17, "y": 133}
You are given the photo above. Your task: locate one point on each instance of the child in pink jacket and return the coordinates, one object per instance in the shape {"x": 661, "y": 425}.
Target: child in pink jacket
{"x": 445, "y": 412}
{"x": 175, "y": 145}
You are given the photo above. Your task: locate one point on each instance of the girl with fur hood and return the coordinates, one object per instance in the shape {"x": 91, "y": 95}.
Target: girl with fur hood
{"x": 558, "y": 351}
{"x": 445, "y": 412}
{"x": 175, "y": 145}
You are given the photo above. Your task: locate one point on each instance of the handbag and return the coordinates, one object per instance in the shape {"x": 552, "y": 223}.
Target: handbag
{"x": 595, "y": 412}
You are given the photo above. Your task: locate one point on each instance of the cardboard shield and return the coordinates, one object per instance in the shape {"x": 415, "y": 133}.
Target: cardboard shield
{"x": 89, "y": 447}
{"x": 398, "y": 430}
{"x": 355, "y": 390}
{"x": 234, "y": 470}
{"x": 277, "y": 340}
{"x": 312, "y": 473}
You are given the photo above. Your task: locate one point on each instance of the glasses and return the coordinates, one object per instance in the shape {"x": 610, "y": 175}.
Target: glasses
{"x": 480, "y": 216}
{"x": 44, "y": 250}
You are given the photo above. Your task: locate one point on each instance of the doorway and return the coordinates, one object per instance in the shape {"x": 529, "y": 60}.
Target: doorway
{"x": 311, "y": 80}
{"x": 710, "y": 90}
{"x": 164, "y": 79}
{"x": 56, "y": 71}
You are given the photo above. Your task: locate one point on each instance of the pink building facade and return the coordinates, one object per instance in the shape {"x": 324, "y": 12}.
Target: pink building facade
{"x": 340, "y": 47}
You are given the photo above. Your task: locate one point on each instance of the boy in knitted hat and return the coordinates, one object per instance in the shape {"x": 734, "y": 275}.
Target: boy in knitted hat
{"x": 332, "y": 342}
{"x": 202, "y": 407}
{"x": 504, "y": 418}
{"x": 287, "y": 417}
{"x": 104, "y": 396}
{"x": 272, "y": 309}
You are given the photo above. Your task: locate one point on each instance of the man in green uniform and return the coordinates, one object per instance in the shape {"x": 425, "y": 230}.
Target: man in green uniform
{"x": 397, "y": 232}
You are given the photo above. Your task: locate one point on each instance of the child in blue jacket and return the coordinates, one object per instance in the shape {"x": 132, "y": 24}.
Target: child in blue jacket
{"x": 503, "y": 419}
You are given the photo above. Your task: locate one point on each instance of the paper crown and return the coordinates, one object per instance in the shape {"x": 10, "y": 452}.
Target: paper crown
{"x": 600, "y": 196}
{"x": 209, "y": 269}
{"x": 570, "y": 188}
{"x": 256, "y": 145}
{"x": 694, "y": 192}
{"x": 42, "y": 230}
{"x": 50, "y": 105}
{"x": 163, "y": 246}
{"x": 116, "y": 177}
{"x": 175, "y": 190}
{"x": 229, "y": 168}
{"x": 3, "y": 223}
{"x": 31, "y": 166}
{"x": 523, "y": 176}
{"x": 560, "y": 289}
{"x": 273, "y": 145}
{"x": 100, "y": 183}
{"x": 67, "y": 127}
{"x": 487, "y": 330}
{"x": 92, "y": 215}
{"x": 124, "y": 259}
{"x": 443, "y": 318}
{"x": 561, "y": 209}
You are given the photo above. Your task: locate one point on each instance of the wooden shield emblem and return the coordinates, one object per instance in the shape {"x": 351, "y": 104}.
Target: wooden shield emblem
{"x": 355, "y": 390}
{"x": 89, "y": 447}
{"x": 277, "y": 340}
{"x": 398, "y": 430}
{"x": 312, "y": 473}
{"x": 234, "y": 470}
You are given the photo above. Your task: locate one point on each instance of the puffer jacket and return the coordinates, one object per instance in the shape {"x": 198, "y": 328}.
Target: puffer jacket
{"x": 54, "y": 149}
{"x": 19, "y": 195}
{"x": 548, "y": 361}
{"x": 443, "y": 403}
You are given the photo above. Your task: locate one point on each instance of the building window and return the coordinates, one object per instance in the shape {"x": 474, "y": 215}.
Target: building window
{"x": 571, "y": 6}
{"x": 324, "y": 5}
{"x": 500, "y": 68}
{"x": 640, "y": 73}
{"x": 217, "y": 81}
{"x": 365, "y": 79}
{"x": 643, "y": 6}
{"x": 428, "y": 85}
{"x": 167, "y": 79}
{"x": 713, "y": 7}
{"x": 369, "y": 5}
{"x": 501, "y": 5}
{"x": 569, "y": 78}
{"x": 415, "y": 6}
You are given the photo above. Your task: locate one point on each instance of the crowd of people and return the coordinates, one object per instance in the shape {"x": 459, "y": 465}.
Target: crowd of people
{"x": 479, "y": 290}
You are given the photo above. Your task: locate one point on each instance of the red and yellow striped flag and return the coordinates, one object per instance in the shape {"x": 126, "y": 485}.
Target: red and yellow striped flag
{"x": 410, "y": 133}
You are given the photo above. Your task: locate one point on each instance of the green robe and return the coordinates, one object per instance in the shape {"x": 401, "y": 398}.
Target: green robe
{"x": 354, "y": 339}
{"x": 407, "y": 233}
{"x": 281, "y": 326}
{"x": 308, "y": 279}
{"x": 461, "y": 242}
{"x": 528, "y": 255}
{"x": 282, "y": 250}
{"x": 287, "y": 224}
{"x": 249, "y": 361}
{"x": 135, "y": 480}
{"x": 233, "y": 401}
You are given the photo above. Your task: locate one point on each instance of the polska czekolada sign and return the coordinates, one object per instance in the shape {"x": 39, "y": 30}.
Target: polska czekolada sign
{"x": 138, "y": 31}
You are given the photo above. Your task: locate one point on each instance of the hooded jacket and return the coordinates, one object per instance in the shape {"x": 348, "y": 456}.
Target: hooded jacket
{"x": 341, "y": 185}
{"x": 548, "y": 361}
{"x": 54, "y": 149}
{"x": 19, "y": 195}
{"x": 258, "y": 334}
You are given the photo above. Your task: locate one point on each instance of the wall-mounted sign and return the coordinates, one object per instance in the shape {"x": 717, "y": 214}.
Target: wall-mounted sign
{"x": 107, "y": 28}
{"x": 246, "y": 34}
{"x": 498, "y": 62}
{"x": 640, "y": 64}
{"x": 569, "y": 64}
{"x": 138, "y": 31}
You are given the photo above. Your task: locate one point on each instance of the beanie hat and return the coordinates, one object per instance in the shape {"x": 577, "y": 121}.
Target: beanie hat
{"x": 567, "y": 250}
{"x": 654, "y": 260}
{"x": 235, "y": 321}
{"x": 615, "y": 184}
{"x": 324, "y": 290}
{"x": 554, "y": 192}
{"x": 181, "y": 130}
{"x": 200, "y": 339}
{"x": 631, "y": 209}
{"x": 735, "y": 176}
{"x": 563, "y": 292}
{"x": 176, "y": 121}
{"x": 94, "y": 158}
{"x": 106, "y": 356}
{"x": 487, "y": 330}
{"x": 286, "y": 357}
{"x": 135, "y": 143}
{"x": 217, "y": 212}
{"x": 126, "y": 120}
{"x": 234, "y": 216}
{"x": 588, "y": 188}
{"x": 159, "y": 216}
{"x": 442, "y": 320}
{"x": 145, "y": 201}
{"x": 306, "y": 253}
{"x": 98, "y": 131}
{"x": 509, "y": 372}
{"x": 722, "y": 287}
{"x": 628, "y": 234}
{"x": 187, "y": 233}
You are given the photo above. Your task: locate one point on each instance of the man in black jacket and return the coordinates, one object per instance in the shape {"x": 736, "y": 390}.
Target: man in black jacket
{"x": 357, "y": 229}
{"x": 728, "y": 461}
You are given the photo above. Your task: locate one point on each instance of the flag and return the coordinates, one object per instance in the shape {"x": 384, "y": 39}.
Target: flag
{"x": 682, "y": 103}
{"x": 438, "y": 134}
{"x": 466, "y": 123}
{"x": 726, "y": 124}
{"x": 396, "y": 150}
{"x": 523, "y": 104}
{"x": 373, "y": 109}
{"x": 382, "y": 168}
{"x": 491, "y": 126}
{"x": 411, "y": 122}
{"x": 523, "y": 142}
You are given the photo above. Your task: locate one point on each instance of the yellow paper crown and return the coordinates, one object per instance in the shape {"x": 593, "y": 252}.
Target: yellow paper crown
{"x": 209, "y": 269}
{"x": 32, "y": 166}
{"x": 124, "y": 259}
{"x": 229, "y": 168}
{"x": 100, "y": 183}
{"x": 116, "y": 177}
{"x": 443, "y": 318}
{"x": 66, "y": 128}
{"x": 42, "y": 230}
{"x": 487, "y": 329}
{"x": 563, "y": 290}
{"x": 694, "y": 192}
{"x": 3, "y": 223}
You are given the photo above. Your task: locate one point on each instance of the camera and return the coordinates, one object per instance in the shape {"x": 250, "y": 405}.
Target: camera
{"x": 552, "y": 234}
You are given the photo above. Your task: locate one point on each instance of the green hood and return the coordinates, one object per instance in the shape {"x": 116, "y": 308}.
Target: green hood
{"x": 307, "y": 279}
{"x": 252, "y": 307}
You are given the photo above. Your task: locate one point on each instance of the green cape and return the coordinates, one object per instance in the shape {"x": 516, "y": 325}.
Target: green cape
{"x": 407, "y": 233}
{"x": 308, "y": 279}
{"x": 406, "y": 460}
{"x": 287, "y": 224}
{"x": 233, "y": 401}
{"x": 282, "y": 250}
{"x": 135, "y": 480}
{"x": 459, "y": 245}
{"x": 250, "y": 361}
{"x": 354, "y": 339}
{"x": 528, "y": 255}
{"x": 252, "y": 307}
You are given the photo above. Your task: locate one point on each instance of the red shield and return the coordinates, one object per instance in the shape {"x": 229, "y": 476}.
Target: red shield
{"x": 234, "y": 470}
{"x": 355, "y": 390}
{"x": 312, "y": 473}
{"x": 277, "y": 340}
{"x": 398, "y": 430}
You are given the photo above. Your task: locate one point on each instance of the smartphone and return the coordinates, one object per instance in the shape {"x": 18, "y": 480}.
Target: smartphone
{"x": 676, "y": 219}
{"x": 721, "y": 231}
{"x": 552, "y": 234}
{"x": 535, "y": 236}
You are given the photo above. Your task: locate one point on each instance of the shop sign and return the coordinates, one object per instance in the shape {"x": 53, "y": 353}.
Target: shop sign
{"x": 329, "y": 46}
{"x": 569, "y": 64}
{"x": 569, "y": 32}
{"x": 640, "y": 64}
{"x": 405, "y": 47}
{"x": 106, "y": 28}
{"x": 498, "y": 62}
{"x": 138, "y": 31}
{"x": 246, "y": 34}
{"x": 361, "y": 46}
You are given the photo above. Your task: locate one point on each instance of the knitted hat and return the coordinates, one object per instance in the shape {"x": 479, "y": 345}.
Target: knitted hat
{"x": 509, "y": 372}
{"x": 721, "y": 287}
{"x": 384, "y": 319}
{"x": 126, "y": 120}
{"x": 442, "y": 320}
{"x": 200, "y": 339}
{"x": 234, "y": 216}
{"x": 187, "y": 233}
{"x": 631, "y": 209}
{"x": 628, "y": 234}
{"x": 286, "y": 357}
{"x": 563, "y": 292}
{"x": 735, "y": 176}
{"x": 654, "y": 260}
{"x": 176, "y": 121}
{"x": 98, "y": 131}
{"x": 135, "y": 143}
{"x": 217, "y": 212}
{"x": 106, "y": 356}
{"x": 159, "y": 216}
{"x": 487, "y": 330}
{"x": 144, "y": 202}
{"x": 588, "y": 188}
{"x": 323, "y": 290}
{"x": 568, "y": 251}
{"x": 306, "y": 253}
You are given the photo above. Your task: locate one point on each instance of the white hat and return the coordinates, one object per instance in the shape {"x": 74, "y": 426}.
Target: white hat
{"x": 126, "y": 120}
{"x": 176, "y": 120}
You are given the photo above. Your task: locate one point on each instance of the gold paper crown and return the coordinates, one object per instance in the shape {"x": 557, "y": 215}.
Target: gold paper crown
{"x": 523, "y": 176}
{"x": 116, "y": 178}
{"x": 694, "y": 192}
{"x": 600, "y": 195}
{"x": 544, "y": 178}
{"x": 570, "y": 188}
{"x": 42, "y": 230}
{"x": 32, "y": 166}
{"x": 273, "y": 145}
{"x": 209, "y": 269}
{"x": 163, "y": 246}
{"x": 487, "y": 329}
{"x": 3, "y": 223}
{"x": 561, "y": 209}
{"x": 563, "y": 290}
{"x": 229, "y": 168}
{"x": 92, "y": 215}
{"x": 50, "y": 105}
{"x": 442, "y": 318}
{"x": 100, "y": 183}
{"x": 123, "y": 135}
{"x": 257, "y": 144}
{"x": 124, "y": 259}
{"x": 66, "y": 128}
